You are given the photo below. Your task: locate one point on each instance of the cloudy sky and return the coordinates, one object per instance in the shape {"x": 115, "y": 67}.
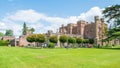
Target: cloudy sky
{"x": 46, "y": 15}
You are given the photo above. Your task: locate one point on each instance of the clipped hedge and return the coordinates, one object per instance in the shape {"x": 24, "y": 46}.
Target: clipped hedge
{"x": 4, "y": 43}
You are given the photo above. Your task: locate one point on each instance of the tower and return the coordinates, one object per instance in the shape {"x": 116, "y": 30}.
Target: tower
{"x": 81, "y": 27}
{"x": 97, "y": 28}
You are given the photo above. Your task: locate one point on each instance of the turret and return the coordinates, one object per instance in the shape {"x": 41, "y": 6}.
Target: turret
{"x": 102, "y": 20}
{"x": 96, "y": 19}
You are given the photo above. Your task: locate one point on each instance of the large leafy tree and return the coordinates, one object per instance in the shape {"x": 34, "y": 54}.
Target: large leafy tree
{"x": 63, "y": 39}
{"x": 113, "y": 34}
{"x": 24, "y": 29}
{"x": 32, "y": 30}
{"x": 9, "y": 32}
{"x": 113, "y": 15}
{"x": 112, "y": 12}
{"x": 53, "y": 39}
{"x": 1, "y": 34}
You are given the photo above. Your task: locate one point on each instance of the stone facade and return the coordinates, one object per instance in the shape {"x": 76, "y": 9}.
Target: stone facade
{"x": 9, "y": 38}
{"x": 94, "y": 30}
{"x": 21, "y": 41}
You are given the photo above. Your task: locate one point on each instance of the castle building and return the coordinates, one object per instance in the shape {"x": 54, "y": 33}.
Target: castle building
{"x": 94, "y": 30}
{"x": 21, "y": 41}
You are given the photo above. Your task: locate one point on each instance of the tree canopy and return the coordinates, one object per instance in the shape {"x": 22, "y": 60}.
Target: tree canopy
{"x": 40, "y": 38}
{"x": 63, "y": 38}
{"x": 79, "y": 40}
{"x": 91, "y": 41}
{"x": 71, "y": 40}
{"x": 32, "y": 30}
{"x": 53, "y": 39}
{"x": 31, "y": 38}
{"x": 36, "y": 38}
{"x": 24, "y": 29}
{"x": 9, "y": 32}
{"x": 1, "y": 34}
{"x": 112, "y": 13}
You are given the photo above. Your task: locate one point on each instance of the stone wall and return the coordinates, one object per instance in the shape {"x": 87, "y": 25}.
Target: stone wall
{"x": 23, "y": 41}
{"x": 94, "y": 30}
{"x": 10, "y": 39}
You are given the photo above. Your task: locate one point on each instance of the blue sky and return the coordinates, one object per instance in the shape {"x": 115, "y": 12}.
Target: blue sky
{"x": 54, "y": 7}
{"x": 48, "y": 14}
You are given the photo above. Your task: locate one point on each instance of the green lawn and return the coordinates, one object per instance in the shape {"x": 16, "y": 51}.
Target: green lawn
{"x": 15, "y": 57}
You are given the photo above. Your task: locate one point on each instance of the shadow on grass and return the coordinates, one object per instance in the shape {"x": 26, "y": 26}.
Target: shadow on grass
{"x": 109, "y": 48}
{"x": 33, "y": 47}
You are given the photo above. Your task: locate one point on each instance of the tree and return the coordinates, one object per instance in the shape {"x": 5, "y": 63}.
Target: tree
{"x": 24, "y": 29}
{"x": 85, "y": 41}
{"x": 53, "y": 39}
{"x": 32, "y": 30}
{"x": 91, "y": 41}
{"x": 1, "y": 34}
{"x": 71, "y": 40}
{"x": 112, "y": 12}
{"x": 31, "y": 38}
{"x": 63, "y": 39}
{"x": 40, "y": 38}
{"x": 9, "y": 33}
{"x": 79, "y": 40}
{"x": 113, "y": 34}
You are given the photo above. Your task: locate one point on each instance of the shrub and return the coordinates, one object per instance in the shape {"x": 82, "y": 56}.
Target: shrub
{"x": 94, "y": 45}
{"x": 51, "y": 45}
{"x": 4, "y": 43}
{"x": 91, "y": 41}
{"x": 79, "y": 40}
{"x": 107, "y": 46}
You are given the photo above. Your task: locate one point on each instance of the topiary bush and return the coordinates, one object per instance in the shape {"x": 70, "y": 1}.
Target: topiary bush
{"x": 51, "y": 45}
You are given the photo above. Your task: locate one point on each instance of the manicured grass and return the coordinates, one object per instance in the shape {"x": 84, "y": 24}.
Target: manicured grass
{"x": 15, "y": 57}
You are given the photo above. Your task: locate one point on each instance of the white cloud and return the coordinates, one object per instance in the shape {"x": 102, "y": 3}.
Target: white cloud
{"x": 2, "y": 27}
{"x": 29, "y": 16}
{"x": 42, "y": 22}
{"x": 89, "y": 15}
